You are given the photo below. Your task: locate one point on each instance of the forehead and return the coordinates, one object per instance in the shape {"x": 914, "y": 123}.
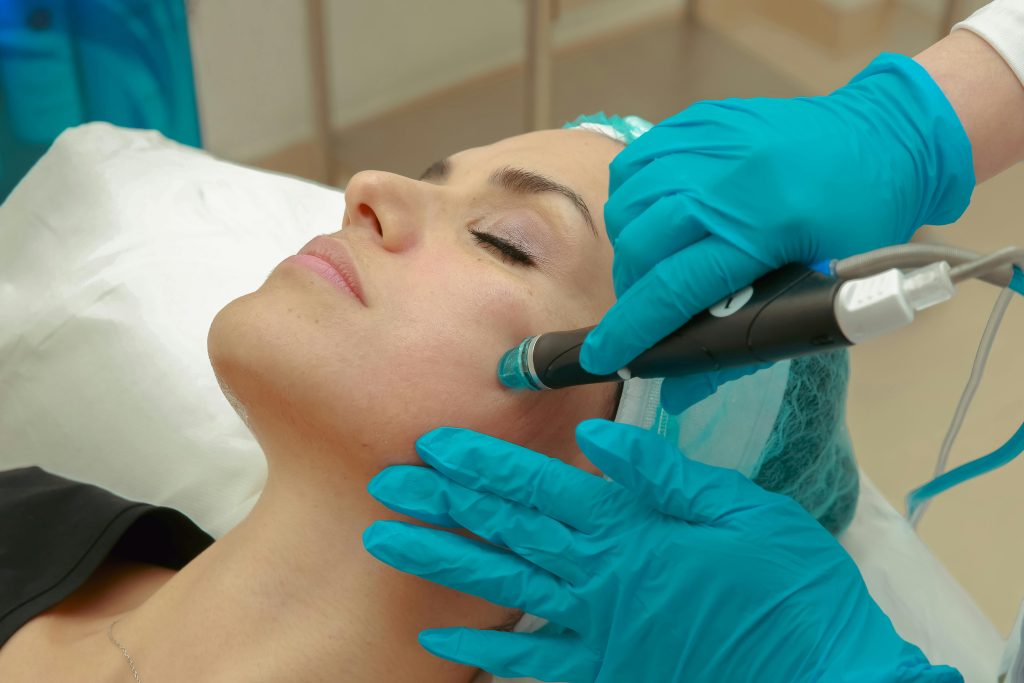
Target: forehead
{"x": 576, "y": 158}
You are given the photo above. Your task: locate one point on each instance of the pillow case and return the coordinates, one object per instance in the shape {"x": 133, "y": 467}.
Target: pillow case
{"x": 116, "y": 251}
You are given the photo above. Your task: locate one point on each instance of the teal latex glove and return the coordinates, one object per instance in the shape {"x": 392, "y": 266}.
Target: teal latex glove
{"x": 676, "y": 571}
{"x": 714, "y": 197}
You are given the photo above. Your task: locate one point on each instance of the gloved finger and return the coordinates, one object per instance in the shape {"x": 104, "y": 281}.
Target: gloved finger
{"x": 661, "y": 476}
{"x": 668, "y": 225}
{"x": 656, "y": 181}
{"x": 665, "y": 140}
{"x": 514, "y": 655}
{"x": 473, "y": 567}
{"x": 400, "y": 488}
{"x": 426, "y": 494}
{"x": 485, "y": 463}
{"x": 664, "y": 299}
{"x": 679, "y": 393}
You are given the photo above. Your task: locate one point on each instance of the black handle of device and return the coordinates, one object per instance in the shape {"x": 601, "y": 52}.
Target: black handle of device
{"x": 787, "y": 313}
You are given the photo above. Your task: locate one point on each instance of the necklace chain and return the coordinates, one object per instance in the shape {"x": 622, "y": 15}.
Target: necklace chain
{"x": 124, "y": 651}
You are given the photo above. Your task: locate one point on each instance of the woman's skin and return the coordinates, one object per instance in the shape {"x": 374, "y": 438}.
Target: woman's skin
{"x": 334, "y": 391}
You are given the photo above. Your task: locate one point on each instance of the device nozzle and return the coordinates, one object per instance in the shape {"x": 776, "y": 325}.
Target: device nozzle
{"x": 514, "y": 369}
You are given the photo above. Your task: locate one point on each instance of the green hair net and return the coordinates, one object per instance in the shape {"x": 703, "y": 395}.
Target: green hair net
{"x": 624, "y": 130}
{"x": 784, "y": 426}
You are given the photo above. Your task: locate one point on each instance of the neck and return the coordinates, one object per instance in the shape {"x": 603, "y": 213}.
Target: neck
{"x": 290, "y": 594}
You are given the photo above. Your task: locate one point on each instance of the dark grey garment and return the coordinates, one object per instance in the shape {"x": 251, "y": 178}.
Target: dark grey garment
{"x": 55, "y": 533}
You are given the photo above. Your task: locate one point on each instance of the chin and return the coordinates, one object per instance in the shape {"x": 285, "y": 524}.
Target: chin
{"x": 234, "y": 355}
{"x": 295, "y": 385}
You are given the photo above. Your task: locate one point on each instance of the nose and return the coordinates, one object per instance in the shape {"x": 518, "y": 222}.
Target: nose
{"x": 391, "y": 208}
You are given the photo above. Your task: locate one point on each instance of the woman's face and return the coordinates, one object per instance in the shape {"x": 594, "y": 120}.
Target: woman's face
{"x": 496, "y": 244}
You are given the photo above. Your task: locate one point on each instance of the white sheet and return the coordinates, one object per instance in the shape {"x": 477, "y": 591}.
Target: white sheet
{"x": 117, "y": 250}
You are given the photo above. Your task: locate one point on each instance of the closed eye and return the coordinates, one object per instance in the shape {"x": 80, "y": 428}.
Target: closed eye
{"x": 505, "y": 250}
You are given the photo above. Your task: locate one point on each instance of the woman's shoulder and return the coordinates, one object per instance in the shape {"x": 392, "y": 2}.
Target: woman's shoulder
{"x": 60, "y": 643}
{"x": 72, "y": 555}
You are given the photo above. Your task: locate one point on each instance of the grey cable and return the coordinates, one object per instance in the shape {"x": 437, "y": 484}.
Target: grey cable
{"x": 995, "y": 319}
{"x": 996, "y": 268}
{"x": 995, "y": 262}
{"x": 916, "y": 255}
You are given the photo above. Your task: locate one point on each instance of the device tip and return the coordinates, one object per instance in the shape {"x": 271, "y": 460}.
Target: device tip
{"x": 512, "y": 371}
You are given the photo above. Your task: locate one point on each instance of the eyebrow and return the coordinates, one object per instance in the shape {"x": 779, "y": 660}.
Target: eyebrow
{"x": 518, "y": 181}
{"x": 437, "y": 171}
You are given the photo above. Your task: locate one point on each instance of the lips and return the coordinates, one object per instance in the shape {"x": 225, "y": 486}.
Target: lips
{"x": 335, "y": 253}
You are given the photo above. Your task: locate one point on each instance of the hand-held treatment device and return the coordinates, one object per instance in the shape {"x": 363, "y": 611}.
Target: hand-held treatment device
{"x": 789, "y": 312}
{"x": 795, "y": 311}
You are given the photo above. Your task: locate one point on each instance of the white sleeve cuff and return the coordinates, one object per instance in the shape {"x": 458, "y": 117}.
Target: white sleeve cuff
{"x": 1001, "y": 25}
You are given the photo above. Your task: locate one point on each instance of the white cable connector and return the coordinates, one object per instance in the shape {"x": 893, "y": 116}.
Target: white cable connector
{"x": 872, "y": 306}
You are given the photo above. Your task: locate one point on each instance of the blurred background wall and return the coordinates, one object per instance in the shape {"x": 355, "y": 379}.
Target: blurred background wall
{"x": 382, "y": 55}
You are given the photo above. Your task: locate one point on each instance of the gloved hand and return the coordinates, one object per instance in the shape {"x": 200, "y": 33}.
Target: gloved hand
{"x": 676, "y": 571}
{"x": 714, "y": 197}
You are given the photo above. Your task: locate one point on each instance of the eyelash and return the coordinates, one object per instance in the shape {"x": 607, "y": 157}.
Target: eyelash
{"x": 506, "y": 250}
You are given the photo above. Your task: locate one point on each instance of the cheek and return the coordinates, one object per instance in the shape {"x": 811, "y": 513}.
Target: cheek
{"x": 475, "y": 316}
{"x": 472, "y": 313}
{"x": 374, "y": 380}
{"x": 444, "y": 339}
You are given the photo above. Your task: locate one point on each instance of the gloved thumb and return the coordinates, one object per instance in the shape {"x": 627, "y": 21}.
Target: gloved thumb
{"x": 679, "y": 393}
{"x": 662, "y": 476}
{"x": 666, "y": 297}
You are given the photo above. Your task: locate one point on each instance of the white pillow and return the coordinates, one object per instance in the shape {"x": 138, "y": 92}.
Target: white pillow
{"x": 116, "y": 252}
{"x": 925, "y": 603}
